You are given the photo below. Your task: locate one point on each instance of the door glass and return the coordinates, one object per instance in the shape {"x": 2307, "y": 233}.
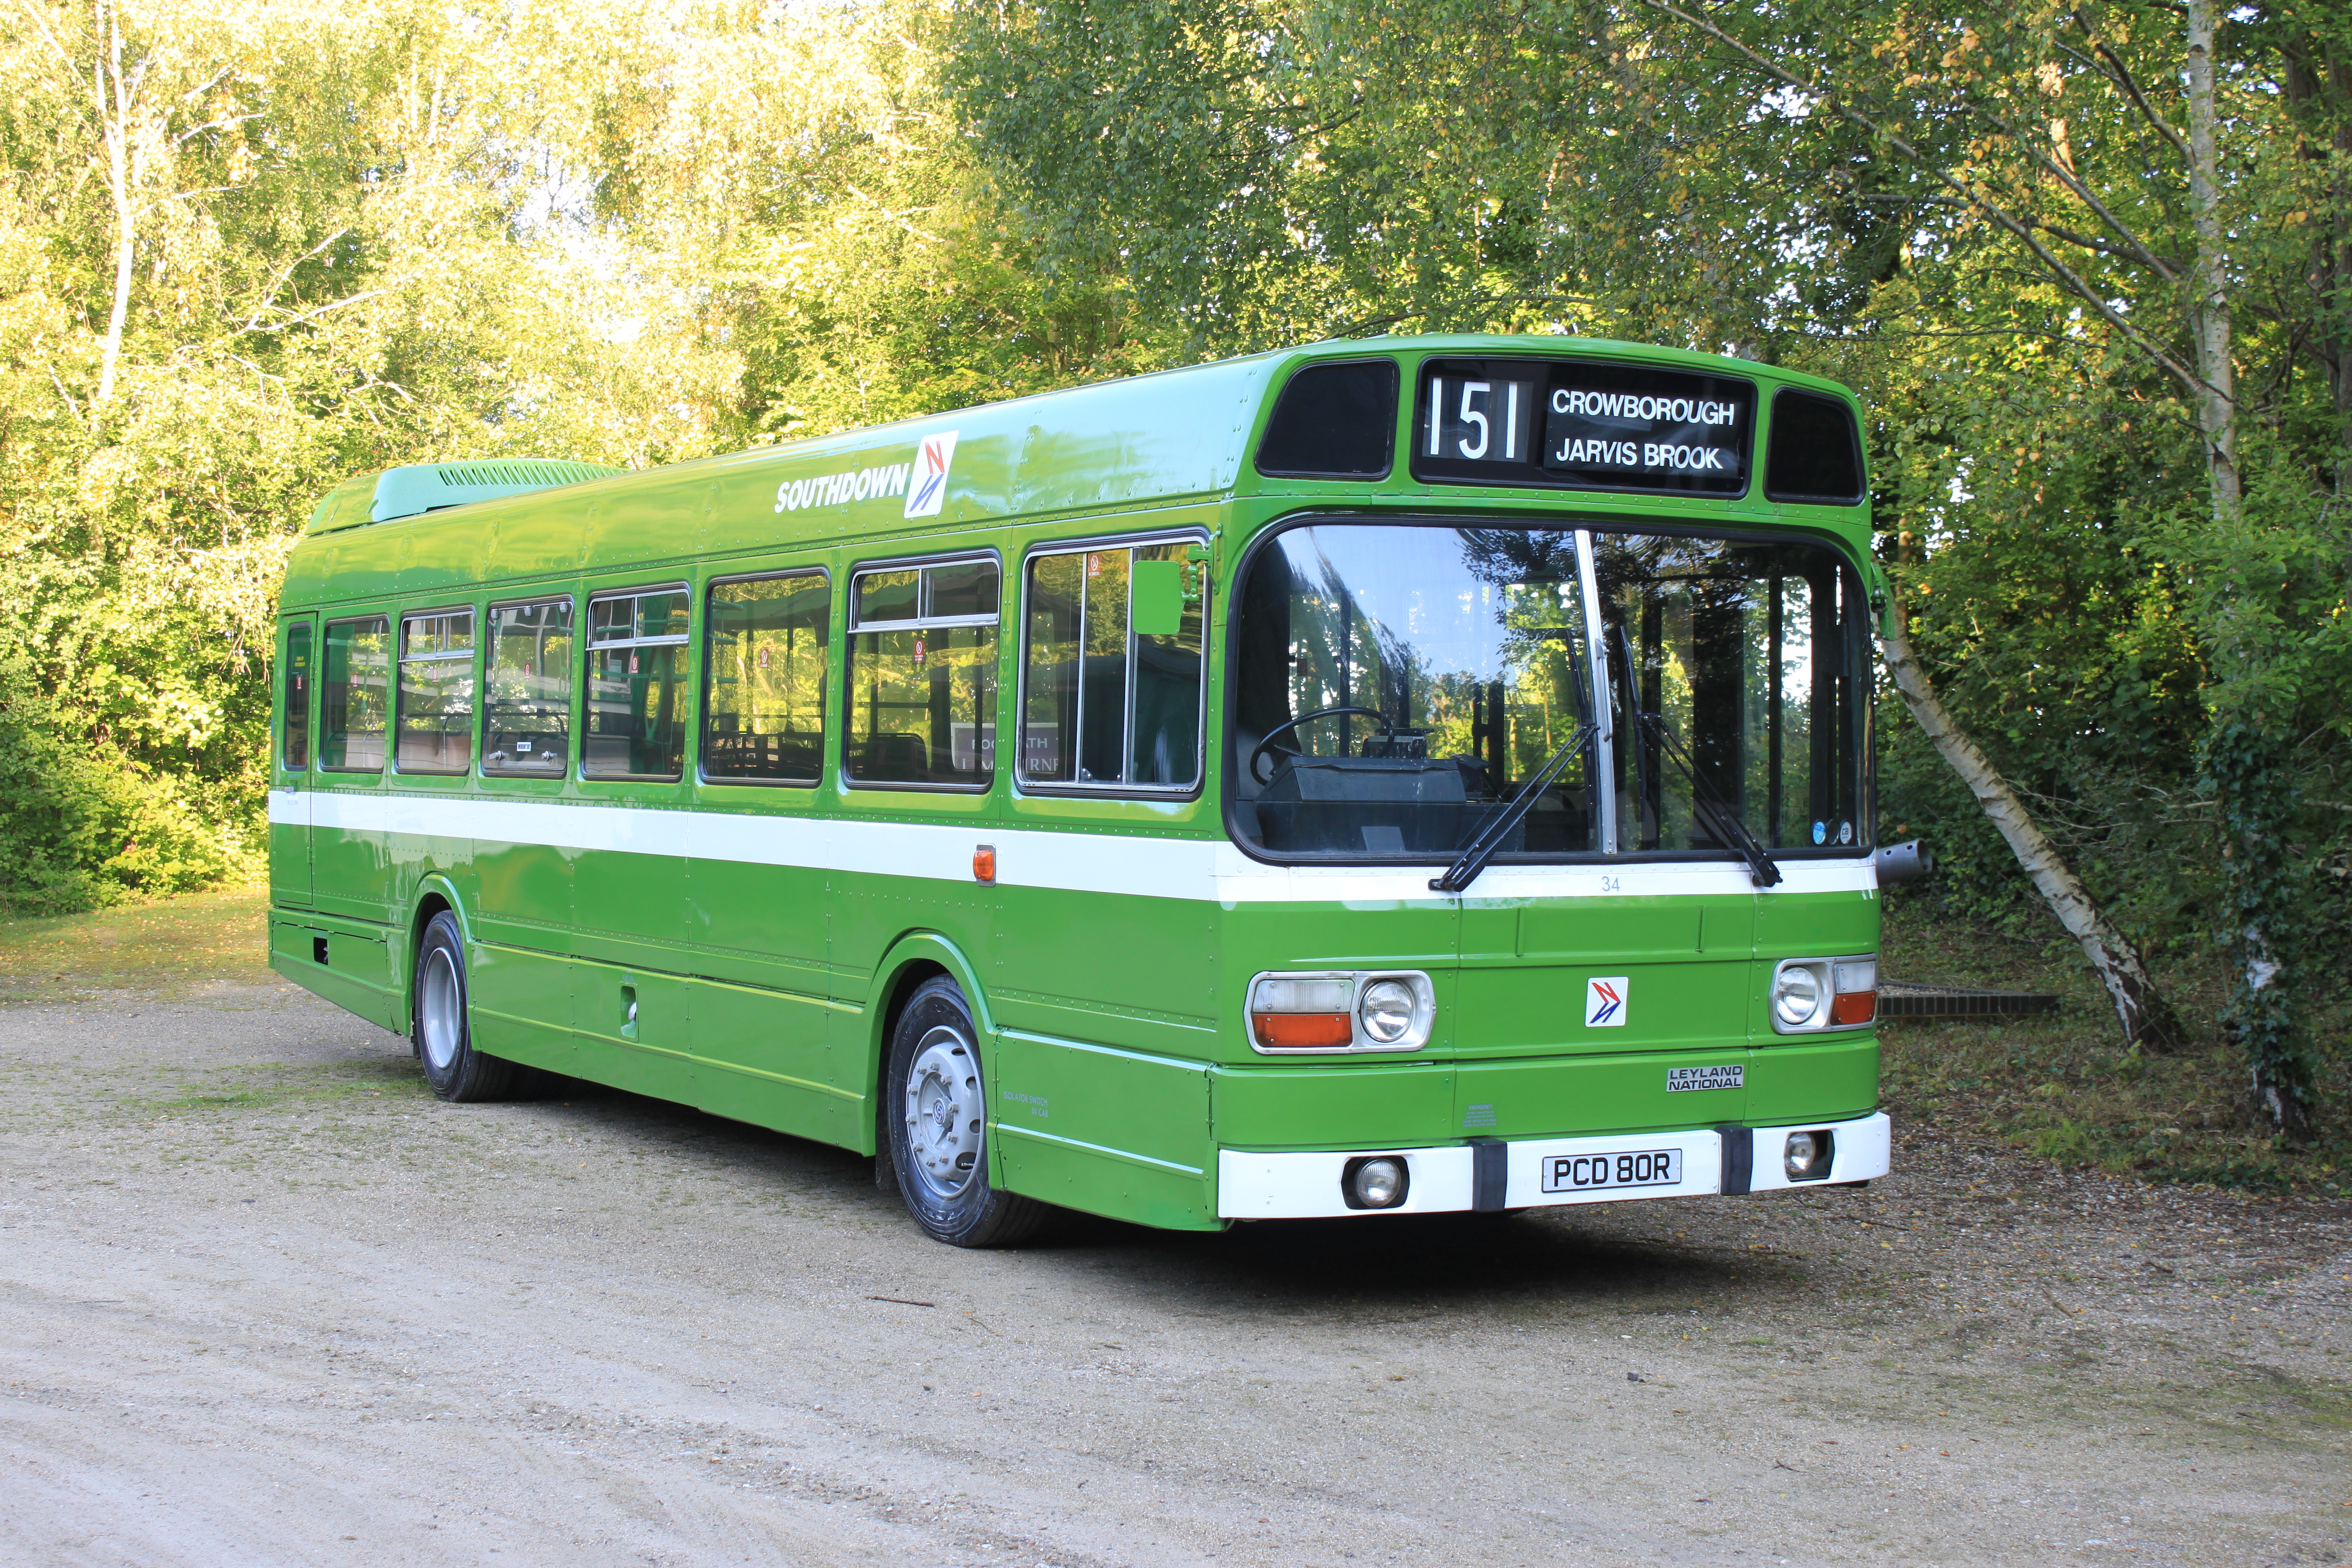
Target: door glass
{"x": 1741, "y": 654}
{"x": 637, "y": 685}
{"x": 764, "y": 716}
{"x": 297, "y": 752}
{"x": 354, "y": 695}
{"x": 527, "y": 717}
{"x": 436, "y": 692}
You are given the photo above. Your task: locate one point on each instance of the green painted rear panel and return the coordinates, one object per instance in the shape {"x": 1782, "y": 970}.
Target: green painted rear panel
{"x": 362, "y": 973}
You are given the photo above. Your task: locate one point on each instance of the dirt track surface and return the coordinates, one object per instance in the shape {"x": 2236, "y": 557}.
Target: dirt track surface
{"x": 264, "y": 1301}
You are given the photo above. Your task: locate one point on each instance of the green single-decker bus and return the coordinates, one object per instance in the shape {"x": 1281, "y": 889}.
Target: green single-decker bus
{"x": 1390, "y": 776}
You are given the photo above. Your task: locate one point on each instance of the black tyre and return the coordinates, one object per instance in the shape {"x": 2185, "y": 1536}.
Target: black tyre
{"x": 937, "y": 1118}
{"x": 443, "y": 1032}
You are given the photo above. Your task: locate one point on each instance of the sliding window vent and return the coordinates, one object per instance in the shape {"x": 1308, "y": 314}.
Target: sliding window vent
{"x": 429, "y": 486}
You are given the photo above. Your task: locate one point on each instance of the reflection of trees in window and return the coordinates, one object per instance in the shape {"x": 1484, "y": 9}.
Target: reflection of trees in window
{"x": 527, "y": 689}
{"x": 354, "y": 695}
{"x": 637, "y": 685}
{"x": 1473, "y": 641}
{"x": 1724, "y": 636}
{"x": 922, "y": 676}
{"x": 436, "y": 692}
{"x": 295, "y": 755}
{"x": 764, "y": 717}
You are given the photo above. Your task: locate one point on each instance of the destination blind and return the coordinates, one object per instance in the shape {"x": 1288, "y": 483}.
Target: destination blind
{"x": 1586, "y": 424}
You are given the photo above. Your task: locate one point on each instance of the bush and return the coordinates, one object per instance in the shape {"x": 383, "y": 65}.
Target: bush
{"x": 82, "y": 825}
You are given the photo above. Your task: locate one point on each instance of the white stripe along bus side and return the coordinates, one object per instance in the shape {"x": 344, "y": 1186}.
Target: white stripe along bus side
{"x": 1208, "y": 871}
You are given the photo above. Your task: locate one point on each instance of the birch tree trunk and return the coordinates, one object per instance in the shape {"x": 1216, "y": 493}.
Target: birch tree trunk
{"x": 110, "y": 96}
{"x": 2147, "y": 1018}
{"x": 2217, "y": 408}
{"x": 2239, "y": 758}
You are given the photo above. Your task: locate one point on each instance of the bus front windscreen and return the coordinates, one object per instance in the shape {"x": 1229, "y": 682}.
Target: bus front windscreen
{"x": 1397, "y": 685}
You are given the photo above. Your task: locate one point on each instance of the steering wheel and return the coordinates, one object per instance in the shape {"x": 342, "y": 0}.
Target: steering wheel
{"x": 1265, "y": 746}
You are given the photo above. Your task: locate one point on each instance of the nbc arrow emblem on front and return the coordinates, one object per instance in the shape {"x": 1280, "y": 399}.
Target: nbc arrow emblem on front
{"x": 1604, "y": 1001}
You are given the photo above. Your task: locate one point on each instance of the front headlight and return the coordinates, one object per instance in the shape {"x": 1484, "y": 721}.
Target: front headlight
{"x": 1385, "y": 1011}
{"x": 1796, "y": 995}
{"x": 1340, "y": 1010}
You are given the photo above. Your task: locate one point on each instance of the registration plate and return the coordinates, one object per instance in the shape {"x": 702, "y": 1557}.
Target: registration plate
{"x": 1601, "y": 1172}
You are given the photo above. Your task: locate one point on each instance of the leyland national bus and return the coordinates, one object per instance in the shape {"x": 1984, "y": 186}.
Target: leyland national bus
{"x": 1392, "y": 776}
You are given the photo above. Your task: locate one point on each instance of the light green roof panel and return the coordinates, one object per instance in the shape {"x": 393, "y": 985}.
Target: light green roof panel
{"x": 428, "y": 486}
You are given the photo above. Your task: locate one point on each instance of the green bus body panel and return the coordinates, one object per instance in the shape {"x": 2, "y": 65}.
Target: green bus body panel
{"x": 521, "y": 1003}
{"x": 363, "y": 971}
{"x": 1072, "y": 1117}
{"x": 1113, "y": 1025}
{"x": 1367, "y": 1103}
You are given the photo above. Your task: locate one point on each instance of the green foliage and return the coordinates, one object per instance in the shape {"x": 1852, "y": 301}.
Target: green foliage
{"x": 1979, "y": 216}
{"x": 83, "y": 826}
{"x": 629, "y": 233}
{"x": 639, "y": 232}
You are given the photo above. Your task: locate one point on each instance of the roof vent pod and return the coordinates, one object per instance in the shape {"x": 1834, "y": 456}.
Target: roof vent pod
{"x": 428, "y": 486}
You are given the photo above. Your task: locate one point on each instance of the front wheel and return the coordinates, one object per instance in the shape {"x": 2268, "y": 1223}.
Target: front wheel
{"x": 938, "y": 1121}
{"x": 444, "y": 1034}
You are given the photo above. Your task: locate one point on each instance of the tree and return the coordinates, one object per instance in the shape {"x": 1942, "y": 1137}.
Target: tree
{"x": 249, "y": 250}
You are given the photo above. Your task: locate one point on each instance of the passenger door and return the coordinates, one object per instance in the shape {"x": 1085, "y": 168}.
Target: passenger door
{"x": 350, "y": 855}
{"x": 290, "y": 793}
{"x": 1105, "y": 949}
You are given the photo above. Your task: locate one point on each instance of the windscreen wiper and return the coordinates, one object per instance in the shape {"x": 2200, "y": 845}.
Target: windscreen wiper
{"x": 1482, "y": 849}
{"x": 1713, "y": 812}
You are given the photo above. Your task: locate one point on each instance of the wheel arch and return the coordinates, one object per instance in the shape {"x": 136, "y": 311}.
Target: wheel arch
{"x": 435, "y": 895}
{"x": 914, "y": 957}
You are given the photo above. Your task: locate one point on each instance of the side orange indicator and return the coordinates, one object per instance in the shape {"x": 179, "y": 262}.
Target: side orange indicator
{"x": 1855, "y": 1008}
{"x": 983, "y": 863}
{"x": 1302, "y": 1031}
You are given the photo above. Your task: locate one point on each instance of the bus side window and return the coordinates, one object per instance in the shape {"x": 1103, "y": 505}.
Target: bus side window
{"x": 1103, "y": 704}
{"x": 763, "y": 709}
{"x": 297, "y": 752}
{"x": 637, "y": 685}
{"x": 921, "y": 676}
{"x": 354, "y": 695}
{"x": 527, "y": 689}
{"x": 436, "y": 692}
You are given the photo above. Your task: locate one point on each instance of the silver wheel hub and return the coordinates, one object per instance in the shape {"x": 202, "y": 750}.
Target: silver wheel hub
{"x": 440, "y": 1013}
{"x": 943, "y": 1112}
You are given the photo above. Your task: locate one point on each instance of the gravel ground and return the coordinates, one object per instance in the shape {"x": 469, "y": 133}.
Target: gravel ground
{"x": 262, "y": 1300}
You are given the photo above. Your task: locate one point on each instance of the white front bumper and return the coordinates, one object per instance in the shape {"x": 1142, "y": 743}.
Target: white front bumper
{"x": 1307, "y": 1185}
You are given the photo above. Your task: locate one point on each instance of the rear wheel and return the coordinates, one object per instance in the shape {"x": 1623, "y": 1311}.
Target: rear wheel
{"x": 938, "y": 1121}
{"x": 444, "y": 1035}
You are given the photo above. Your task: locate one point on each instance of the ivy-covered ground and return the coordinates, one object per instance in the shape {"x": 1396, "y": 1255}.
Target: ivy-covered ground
{"x": 2062, "y": 1088}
